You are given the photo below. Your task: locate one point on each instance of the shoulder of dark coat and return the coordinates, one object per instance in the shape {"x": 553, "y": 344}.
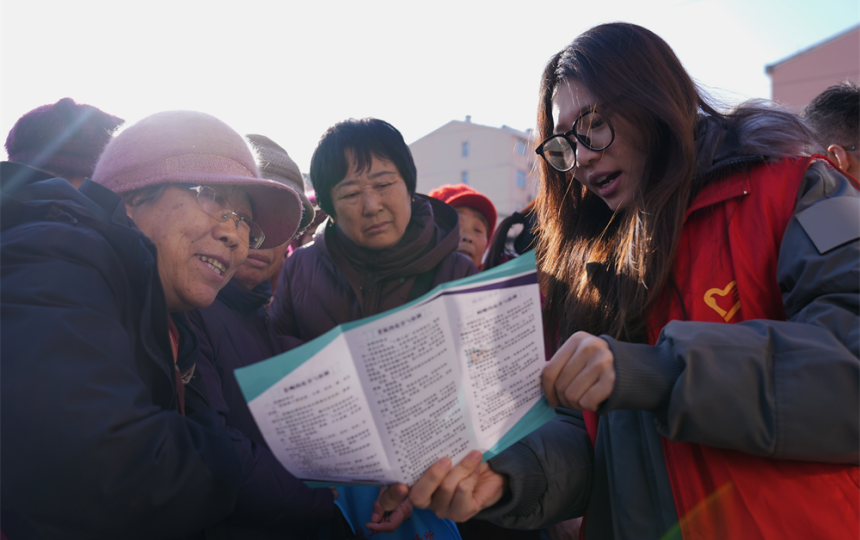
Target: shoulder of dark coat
{"x": 50, "y": 219}
{"x": 308, "y": 265}
{"x": 828, "y": 206}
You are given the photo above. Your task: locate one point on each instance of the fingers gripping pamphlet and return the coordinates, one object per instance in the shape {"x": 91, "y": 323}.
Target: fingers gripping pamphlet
{"x": 380, "y": 400}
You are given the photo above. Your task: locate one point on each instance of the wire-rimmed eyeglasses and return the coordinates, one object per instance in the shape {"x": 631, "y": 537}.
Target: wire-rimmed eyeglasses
{"x": 217, "y": 206}
{"x": 590, "y": 130}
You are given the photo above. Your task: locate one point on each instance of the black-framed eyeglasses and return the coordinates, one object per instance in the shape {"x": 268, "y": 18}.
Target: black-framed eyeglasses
{"x": 217, "y": 206}
{"x": 590, "y": 129}
{"x": 850, "y": 148}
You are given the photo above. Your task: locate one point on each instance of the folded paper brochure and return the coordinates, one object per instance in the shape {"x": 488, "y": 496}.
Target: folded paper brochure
{"x": 379, "y": 400}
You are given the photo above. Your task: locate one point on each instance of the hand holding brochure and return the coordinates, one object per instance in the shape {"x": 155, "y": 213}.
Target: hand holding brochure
{"x": 380, "y": 400}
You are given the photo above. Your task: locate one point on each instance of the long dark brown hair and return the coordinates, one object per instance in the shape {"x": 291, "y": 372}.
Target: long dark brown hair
{"x": 603, "y": 271}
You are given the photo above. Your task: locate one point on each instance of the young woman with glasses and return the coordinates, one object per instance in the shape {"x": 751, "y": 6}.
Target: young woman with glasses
{"x": 701, "y": 273}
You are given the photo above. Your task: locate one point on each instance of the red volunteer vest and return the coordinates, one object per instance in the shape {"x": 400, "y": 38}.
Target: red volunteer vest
{"x": 726, "y": 272}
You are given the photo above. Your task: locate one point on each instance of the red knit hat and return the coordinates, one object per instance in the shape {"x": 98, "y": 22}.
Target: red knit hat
{"x": 63, "y": 138}
{"x": 462, "y": 195}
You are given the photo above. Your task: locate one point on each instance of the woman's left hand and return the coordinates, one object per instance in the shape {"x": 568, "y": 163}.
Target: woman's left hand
{"x": 581, "y": 375}
{"x": 382, "y": 521}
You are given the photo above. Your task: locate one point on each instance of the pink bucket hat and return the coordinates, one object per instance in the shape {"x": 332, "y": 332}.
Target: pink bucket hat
{"x": 197, "y": 148}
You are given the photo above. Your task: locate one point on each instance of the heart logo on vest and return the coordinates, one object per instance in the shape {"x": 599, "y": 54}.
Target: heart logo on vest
{"x": 711, "y": 301}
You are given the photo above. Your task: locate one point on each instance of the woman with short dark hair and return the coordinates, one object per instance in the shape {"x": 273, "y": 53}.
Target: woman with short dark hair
{"x": 383, "y": 243}
{"x": 366, "y": 138}
{"x": 705, "y": 307}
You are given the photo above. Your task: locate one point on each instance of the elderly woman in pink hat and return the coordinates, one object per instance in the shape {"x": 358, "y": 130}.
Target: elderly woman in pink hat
{"x": 106, "y": 432}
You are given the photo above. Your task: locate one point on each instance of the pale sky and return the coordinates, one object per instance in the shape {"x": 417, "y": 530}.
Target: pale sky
{"x": 291, "y": 69}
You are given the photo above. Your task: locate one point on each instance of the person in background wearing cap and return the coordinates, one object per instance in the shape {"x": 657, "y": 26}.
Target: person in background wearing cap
{"x": 61, "y": 140}
{"x": 235, "y": 332}
{"x": 106, "y": 431}
{"x": 477, "y": 218}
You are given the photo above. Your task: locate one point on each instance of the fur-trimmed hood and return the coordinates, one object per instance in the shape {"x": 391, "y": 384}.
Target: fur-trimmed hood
{"x": 754, "y": 131}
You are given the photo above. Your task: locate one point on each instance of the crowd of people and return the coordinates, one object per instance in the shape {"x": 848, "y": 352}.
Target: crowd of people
{"x": 699, "y": 272}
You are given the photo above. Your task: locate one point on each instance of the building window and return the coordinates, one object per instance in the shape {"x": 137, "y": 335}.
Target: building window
{"x": 464, "y": 177}
{"x": 466, "y": 149}
{"x": 521, "y": 147}
{"x": 521, "y": 179}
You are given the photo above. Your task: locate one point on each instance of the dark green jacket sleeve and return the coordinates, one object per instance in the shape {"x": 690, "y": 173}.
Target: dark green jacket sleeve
{"x": 549, "y": 474}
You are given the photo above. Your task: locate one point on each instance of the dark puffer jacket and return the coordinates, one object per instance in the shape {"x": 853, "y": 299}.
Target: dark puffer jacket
{"x": 333, "y": 281}
{"x": 93, "y": 445}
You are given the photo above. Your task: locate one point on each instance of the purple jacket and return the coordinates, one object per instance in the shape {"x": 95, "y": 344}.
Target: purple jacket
{"x": 234, "y": 332}
{"x": 333, "y": 281}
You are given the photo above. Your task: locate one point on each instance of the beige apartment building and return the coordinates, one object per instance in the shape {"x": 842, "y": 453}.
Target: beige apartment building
{"x": 498, "y": 162}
